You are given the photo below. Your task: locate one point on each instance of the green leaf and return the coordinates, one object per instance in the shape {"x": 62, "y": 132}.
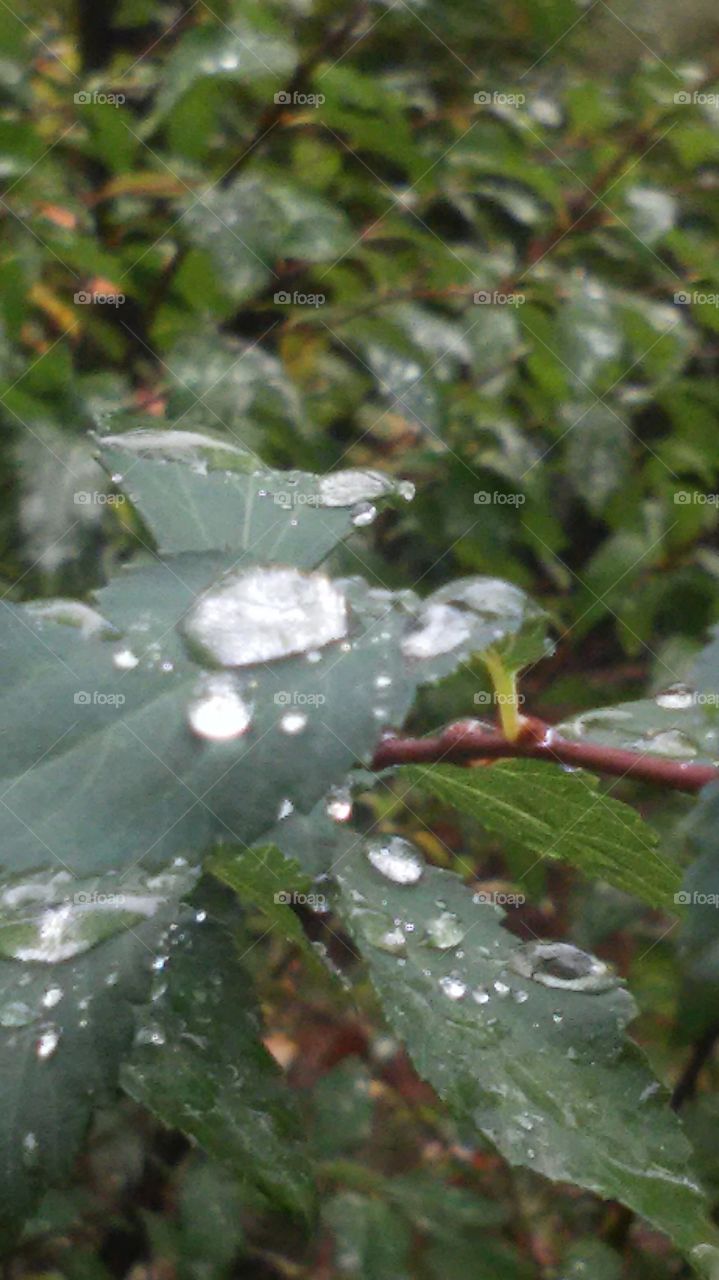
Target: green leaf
{"x": 524, "y": 1042}
{"x": 198, "y": 492}
{"x": 559, "y": 815}
{"x": 247, "y": 227}
{"x": 265, "y": 878}
{"x": 200, "y": 1066}
{"x": 676, "y": 723}
{"x": 240, "y": 56}
{"x": 109, "y": 757}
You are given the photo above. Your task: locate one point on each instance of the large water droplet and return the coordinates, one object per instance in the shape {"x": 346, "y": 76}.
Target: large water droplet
{"x": 258, "y": 615}
{"x": 677, "y": 697}
{"x": 441, "y": 629}
{"x": 382, "y": 933}
{"x": 345, "y": 488}
{"x": 364, "y": 514}
{"x": 16, "y": 1014}
{"x": 562, "y": 965}
{"x": 396, "y": 859}
{"x": 51, "y": 918}
{"x": 445, "y": 931}
{"x": 218, "y": 711}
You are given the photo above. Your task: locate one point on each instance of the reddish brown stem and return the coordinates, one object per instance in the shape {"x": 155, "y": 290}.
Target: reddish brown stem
{"x": 466, "y": 742}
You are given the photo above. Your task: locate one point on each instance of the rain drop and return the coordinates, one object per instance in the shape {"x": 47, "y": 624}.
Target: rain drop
{"x": 677, "y": 697}
{"x": 396, "y": 859}
{"x": 563, "y": 966}
{"x": 47, "y": 1043}
{"x": 453, "y": 987}
{"x": 124, "y": 660}
{"x": 218, "y": 712}
{"x": 445, "y": 931}
{"x": 293, "y": 722}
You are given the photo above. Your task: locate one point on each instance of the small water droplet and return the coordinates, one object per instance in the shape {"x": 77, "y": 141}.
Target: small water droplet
{"x": 47, "y": 1043}
{"x": 285, "y": 809}
{"x": 677, "y": 697}
{"x": 293, "y": 722}
{"x": 151, "y": 1034}
{"x": 124, "y": 660}
{"x": 502, "y": 989}
{"x": 445, "y": 931}
{"x": 52, "y": 996}
{"x": 480, "y": 995}
{"x": 453, "y": 987}
{"x": 338, "y": 806}
{"x": 364, "y": 513}
{"x": 218, "y": 711}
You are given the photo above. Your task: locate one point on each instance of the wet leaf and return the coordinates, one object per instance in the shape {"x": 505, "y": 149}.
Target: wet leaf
{"x": 555, "y": 814}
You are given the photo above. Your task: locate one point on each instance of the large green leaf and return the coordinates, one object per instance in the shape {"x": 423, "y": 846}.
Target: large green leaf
{"x": 199, "y": 492}
{"x": 555, "y": 814}
{"x": 123, "y": 751}
{"x": 199, "y": 1064}
{"x": 523, "y": 1041}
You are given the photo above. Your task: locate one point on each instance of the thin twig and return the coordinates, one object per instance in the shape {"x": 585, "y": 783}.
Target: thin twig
{"x": 467, "y": 741}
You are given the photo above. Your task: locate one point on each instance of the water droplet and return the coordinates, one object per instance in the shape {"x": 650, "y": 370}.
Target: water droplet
{"x": 480, "y": 995}
{"x": 218, "y": 711}
{"x": 520, "y": 996}
{"x": 338, "y": 806}
{"x": 453, "y": 987}
{"x": 346, "y": 488}
{"x": 442, "y": 628}
{"x": 52, "y": 996}
{"x": 285, "y": 809}
{"x": 396, "y": 859}
{"x": 259, "y": 615}
{"x": 151, "y": 1034}
{"x": 667, "y": 742}
{"x": 445, "y": 931}
{"x": 557, "y": 1017}
{"x": 382, "y": 682}
{"x": 47, "y": 1043}
{"x": 502, "y": 989}
{"x": 364, "y": 514}
{"x": 124, "y": 660}
{"x": 16, "y": 1014}
{"x": 382, "y": 933}
{"x": 676, "y": 697}
{"x": 70, "y": 613}
{"x": 293, "y": 722}
{"x": 201, "y": 452}
{"x": 562, "y": 965}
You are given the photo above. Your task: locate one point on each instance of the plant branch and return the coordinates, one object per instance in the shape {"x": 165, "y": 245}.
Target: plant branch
{"x": 686, "y": 1085}
{"x": 468, "y": 741}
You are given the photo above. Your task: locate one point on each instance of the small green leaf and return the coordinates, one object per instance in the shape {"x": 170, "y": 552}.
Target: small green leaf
{"x": 561, "y": 815}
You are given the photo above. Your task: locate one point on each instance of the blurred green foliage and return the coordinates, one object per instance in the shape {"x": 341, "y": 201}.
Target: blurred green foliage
{"x": 470, "y": 246}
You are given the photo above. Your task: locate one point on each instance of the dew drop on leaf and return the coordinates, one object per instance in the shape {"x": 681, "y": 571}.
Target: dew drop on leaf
{"x": 259, "y": 615}
{"x": 47, "y": 1043}
{"x": 677, "y": 697}
{"x": 218, "y": 711}
{"x": 396, "y": 859}
{"x": 293, "y": 722}
{"x": 452, "y": 986}
{"x": 445, "y": 931}
{"x": 563, "y": 966}
{"x": 124, "y": 660}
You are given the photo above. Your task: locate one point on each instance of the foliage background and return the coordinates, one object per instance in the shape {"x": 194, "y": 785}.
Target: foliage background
{"x": 566, "y": 441}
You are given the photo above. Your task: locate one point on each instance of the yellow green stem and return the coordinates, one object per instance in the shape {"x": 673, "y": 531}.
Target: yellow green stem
{"x": 505, "y": 688}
